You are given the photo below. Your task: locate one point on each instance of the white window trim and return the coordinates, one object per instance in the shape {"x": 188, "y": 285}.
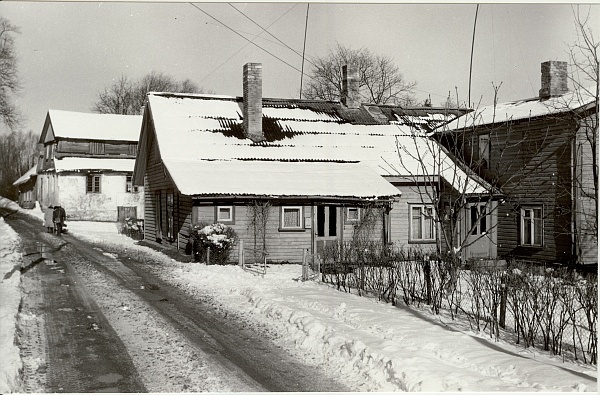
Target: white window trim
{"x": 347, "y": 214}
{"x": 411, "y": 232}
{"x": 300, "y": 214}
{"x": 484, "y": 151}
{"x": 231, "y": 218}
{"x": 522, "y": 225}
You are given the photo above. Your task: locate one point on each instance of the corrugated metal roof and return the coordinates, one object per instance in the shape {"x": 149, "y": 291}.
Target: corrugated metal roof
{"x": 522, "y": 109}
{"x": 198, "y": 128}
{"x": 275, "y": 178}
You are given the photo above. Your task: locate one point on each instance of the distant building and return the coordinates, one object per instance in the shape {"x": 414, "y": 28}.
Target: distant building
{"x": 541, "y": 153}
{"x": 319, "y": 164}
{"x": 27, "y": 190}
{"x": 87, "y": 165}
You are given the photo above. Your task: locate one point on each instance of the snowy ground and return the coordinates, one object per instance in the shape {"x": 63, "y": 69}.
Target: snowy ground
{"x": 374, "y": 346}
{"x": 10, "y": 297}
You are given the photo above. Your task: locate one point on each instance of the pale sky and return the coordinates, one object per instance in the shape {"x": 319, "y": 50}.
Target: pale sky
{"x": 70, "y": 51}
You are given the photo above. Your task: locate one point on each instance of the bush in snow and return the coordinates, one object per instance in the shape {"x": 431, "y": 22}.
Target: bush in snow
{"x": 212, "y": 243}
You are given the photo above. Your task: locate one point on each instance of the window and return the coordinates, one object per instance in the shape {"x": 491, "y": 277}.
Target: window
{"x": 478, "y": 223}
{"x": 49, "y": 151}
{"x": 291, "y": 218}
{"x": 129, "y": 187}
{"x": 93, "y": 183}
{"x": 327, "y": 221}
{"x": 484, "y": 149}
{"x": 158, "y": 216}
{"x": 224, "y": 214}
{"x": 532, "y": 226}
{"x": 422, "y": 226}
{"x": 170, "y": 216}
{"x": 352, "y": 214}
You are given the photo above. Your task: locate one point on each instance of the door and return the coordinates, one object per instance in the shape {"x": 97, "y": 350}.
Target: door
{"x": 327, "y": 227}
{"x": 481, "y": 227}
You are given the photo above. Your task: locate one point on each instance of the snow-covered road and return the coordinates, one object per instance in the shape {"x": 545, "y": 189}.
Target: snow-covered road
{"x": 371, "y": 345}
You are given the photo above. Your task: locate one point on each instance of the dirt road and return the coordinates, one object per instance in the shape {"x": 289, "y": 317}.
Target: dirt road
{"x": 94, "y": 321}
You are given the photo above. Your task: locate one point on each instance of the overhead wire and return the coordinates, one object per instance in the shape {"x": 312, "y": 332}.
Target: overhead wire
{"x": 251, "y": 42}
{"x": 245, "y": 45}
{"x": 270, "y": 53}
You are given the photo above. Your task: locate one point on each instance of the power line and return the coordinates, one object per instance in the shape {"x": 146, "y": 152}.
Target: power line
{"x": 245, "y": 45}
{"x": 269, "y": 33}
{"x": 472, "y": 47}
{"x": 251, "y": 42}
{"x": 304, "y": 47}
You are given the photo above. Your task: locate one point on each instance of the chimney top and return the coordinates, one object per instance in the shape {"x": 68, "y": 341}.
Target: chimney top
{"x": 252, "y": 109}
{"x": 554, "y": 79}
{"x": 350, "y": 93}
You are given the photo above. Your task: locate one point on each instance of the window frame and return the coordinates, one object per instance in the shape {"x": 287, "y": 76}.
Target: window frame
{"x": 231, "y": 220}
{"x": 129, "y": 187}
{"x": 484, "y": 150}
{"x": 170, "y": 211}
{"x": 540, "y": 221}
{"x": 411, "y": 231}
{"x": 477, "y": 224}
{"x": 347, "y": 218}
{"x": 87, "y": 183}
{"x": 300, "y": 226}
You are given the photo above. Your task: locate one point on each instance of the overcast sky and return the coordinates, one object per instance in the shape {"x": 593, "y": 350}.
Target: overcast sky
{"x": 68, "y": 52}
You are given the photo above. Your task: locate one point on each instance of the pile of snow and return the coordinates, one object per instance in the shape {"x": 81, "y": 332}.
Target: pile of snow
{"x": 368, "y": 345}
{"x": 10, "y": 298}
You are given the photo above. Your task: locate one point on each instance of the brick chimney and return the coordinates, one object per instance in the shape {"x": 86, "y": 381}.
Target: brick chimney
{"x": 253, "y": 102}
{"x": 554, "y": 79}
{"x": 350, "y": 93}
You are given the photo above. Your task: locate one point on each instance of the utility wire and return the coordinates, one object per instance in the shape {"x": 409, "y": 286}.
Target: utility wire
{"x": 245, "y": 45}
{"x": 269, "y": 33}
{"x": 304, "y": 47}
{"x": 472, "y": 46}
{"x": 251, "y": 42}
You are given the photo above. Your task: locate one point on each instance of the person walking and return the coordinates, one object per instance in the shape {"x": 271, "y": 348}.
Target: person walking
{"x": 59, "y": 216}
{"x": 49, "y": 219}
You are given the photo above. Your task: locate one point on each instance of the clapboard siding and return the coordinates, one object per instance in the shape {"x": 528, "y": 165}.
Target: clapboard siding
{"x": 531, "y": 161}
{"x": 282, "y": 246}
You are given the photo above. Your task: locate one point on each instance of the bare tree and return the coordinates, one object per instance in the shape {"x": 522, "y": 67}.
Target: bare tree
{"x": 127, "y": 97}
{"x": 380, "y": 80}
{"x": 585, "y": 77}
{"x": 9, "y": 81}
{"x": 18, "y": 153}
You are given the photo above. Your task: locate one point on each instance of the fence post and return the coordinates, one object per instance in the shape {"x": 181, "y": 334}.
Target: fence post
{"x": 503, "y": 293}
{"x": 208, "y": 255}
{"x": 304, "y": 269}
{"x": 241, "y": 253}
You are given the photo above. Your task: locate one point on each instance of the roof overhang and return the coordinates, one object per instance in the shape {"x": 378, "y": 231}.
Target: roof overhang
{"x": 334, "y": 180}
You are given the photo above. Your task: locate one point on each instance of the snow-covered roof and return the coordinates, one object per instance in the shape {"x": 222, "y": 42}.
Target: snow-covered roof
{"x": 193, "y": 128}
{"x": 75, "y": 164}
{"x": 522, "y": 109}
{"x": 88, "y": 126}
{"x": 274, "y": 178}
{"x": 25, "y": 177}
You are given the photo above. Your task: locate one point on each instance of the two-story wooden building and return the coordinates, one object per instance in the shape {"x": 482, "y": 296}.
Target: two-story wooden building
{"x": 542, "y": 153}
{"x": 318, "y": 164}
{"x": 87, "y": 165}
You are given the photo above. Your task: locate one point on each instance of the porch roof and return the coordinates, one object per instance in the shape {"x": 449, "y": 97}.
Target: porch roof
{"x": 75, "y": 164}
{"x": 25, "y": 177}
{"x": 278, "y": 178}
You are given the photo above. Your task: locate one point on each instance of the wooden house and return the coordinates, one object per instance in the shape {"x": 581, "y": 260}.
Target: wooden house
{"x": 87, "y": 165}
{"x": 27, "y": 190}
{"x": 541, "y": 153}
{"x": 317, "y": 166}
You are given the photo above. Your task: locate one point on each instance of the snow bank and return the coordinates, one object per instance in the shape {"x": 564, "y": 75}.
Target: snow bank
{"x": 367, "y": 345}
{"x": 10, "y": 297}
